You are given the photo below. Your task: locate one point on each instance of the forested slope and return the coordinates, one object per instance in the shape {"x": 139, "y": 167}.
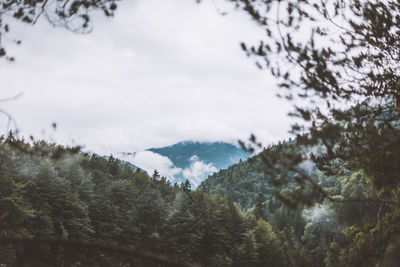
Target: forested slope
{"x": 242, "y": 182}
{"x": 48, "y": 191}
{"x": 344, "y": 232}
{"x": 52, "y": 192}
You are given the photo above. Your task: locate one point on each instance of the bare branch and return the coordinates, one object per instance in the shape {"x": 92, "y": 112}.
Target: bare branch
{"x": 41, "y": 12}
{"x": 11, "y": 98}
{"x": 10, "y": 120}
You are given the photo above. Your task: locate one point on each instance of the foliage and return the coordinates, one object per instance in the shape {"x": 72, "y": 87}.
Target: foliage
{"x": 240, "y": 182}
{"x": 338, "y": 61}
{"x": 72, "y": 15}
{"x": 327, "y": 233}
{"x": 87, "y": 198}
{"x": 339, "y": 58}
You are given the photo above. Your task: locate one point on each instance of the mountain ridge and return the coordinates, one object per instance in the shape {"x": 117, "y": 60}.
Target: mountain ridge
{"x": 187, "y": 160}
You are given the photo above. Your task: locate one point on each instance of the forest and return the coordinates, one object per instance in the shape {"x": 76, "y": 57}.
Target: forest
{"x": 235, "y": 218}
{"x": 49, "y": 191}
{"x": 350, "y": 226}
{"x": 330, "y": 196}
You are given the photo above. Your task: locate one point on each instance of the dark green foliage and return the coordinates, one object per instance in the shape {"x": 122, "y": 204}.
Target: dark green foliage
{"x": 341, "y": 60}
{"x": 92, "y": 198}
{"x": 324, "y": 234}
{"x": 260, "y": 209}
{"x": 240, "y": 182}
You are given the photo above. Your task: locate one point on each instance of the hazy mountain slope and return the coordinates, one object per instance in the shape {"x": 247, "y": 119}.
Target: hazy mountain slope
{"x": 220, "y": 154}
{"x": 189, "y": 160}
{"x": 240, "y": 182}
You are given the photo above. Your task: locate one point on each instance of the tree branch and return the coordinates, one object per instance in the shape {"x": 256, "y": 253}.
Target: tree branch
{"x": 11, "y": 98}
{"x": 131, "y": 252}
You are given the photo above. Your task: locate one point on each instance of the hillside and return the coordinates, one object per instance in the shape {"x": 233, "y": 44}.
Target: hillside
{"x": 189, "y": 160}
{"x": 49, "y": 191}
{"x": 243, "y": 181}
{"x": 319, "y": 228}
{"x": 64, "y": 203}
{"x": 240, "y": 182}
{"x": 219, "y": 154}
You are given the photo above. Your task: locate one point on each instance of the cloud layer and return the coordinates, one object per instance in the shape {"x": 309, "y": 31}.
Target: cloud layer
{"x": 198, "y": 171}
{"x": 160, "y": 72}
{"x": 149, "y": 161}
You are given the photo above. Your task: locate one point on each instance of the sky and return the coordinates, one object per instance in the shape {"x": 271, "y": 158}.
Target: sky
{"x": 158, "y": 72}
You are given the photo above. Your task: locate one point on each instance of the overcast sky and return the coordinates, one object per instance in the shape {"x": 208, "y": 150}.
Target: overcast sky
{"x": 159, "y": 72}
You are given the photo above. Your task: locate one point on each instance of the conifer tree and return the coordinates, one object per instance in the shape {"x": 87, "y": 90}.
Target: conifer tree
{"x": 260, "y": 209}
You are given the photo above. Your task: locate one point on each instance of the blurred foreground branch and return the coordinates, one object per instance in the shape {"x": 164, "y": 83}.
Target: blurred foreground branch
{"x": 131, "y": 252}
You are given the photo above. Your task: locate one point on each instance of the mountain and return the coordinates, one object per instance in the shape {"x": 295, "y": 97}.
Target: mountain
{"x": 59, "y": 208}
{"x": 241, "y": 182}
{"x": 188, "y": 160}
{"x": 219, "y": 154}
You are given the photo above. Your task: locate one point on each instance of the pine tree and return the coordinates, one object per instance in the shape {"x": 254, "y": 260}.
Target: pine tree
{"x": 260, "y": 209}
{"x": 156, "y": 175}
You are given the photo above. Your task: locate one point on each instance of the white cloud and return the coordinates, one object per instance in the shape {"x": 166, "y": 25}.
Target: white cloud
{"x": 150, "y": 161}
{"x": 198, "y": 171}
{"x": 159, "y": 72}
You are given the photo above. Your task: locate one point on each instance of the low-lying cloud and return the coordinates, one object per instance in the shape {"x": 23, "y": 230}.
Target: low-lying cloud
{"x": 149, "y": 161}
{"x": 198, "y": 171}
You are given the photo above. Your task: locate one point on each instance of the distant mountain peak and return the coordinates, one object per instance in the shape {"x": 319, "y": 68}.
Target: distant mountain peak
{"x": 189, "y": 160}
